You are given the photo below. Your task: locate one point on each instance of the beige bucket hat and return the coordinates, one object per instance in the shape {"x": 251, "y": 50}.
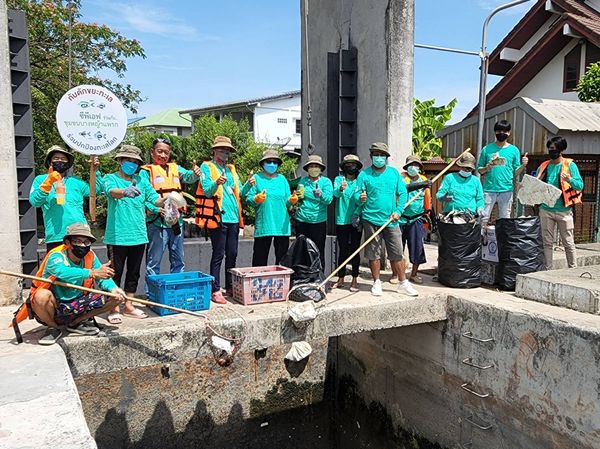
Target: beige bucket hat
{"x": 129, "y": 151}
{"x": 351, "y": 158}
{"x": 467, "y": 161}
{"x": 380, "y": 146}
{"x": 223, "y": 142}
{"x": 314, "y": 159}
{"x": 79, "y": 230}
{"x": 270, "y": 154}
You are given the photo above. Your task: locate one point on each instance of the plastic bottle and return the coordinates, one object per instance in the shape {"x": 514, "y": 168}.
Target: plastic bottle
{"x": 59, "y": 192}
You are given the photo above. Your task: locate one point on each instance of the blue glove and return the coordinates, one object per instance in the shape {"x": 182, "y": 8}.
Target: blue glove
{"x": 447, "y": 198}
{"x": 131, "y": 192}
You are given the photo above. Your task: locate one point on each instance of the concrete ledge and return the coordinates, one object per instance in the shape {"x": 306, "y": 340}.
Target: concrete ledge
{"x": 569, "y": 288}
{"x": 39, "y": 405}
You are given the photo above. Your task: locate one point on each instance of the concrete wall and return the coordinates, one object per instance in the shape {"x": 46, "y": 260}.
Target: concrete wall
{"x": 10, "y": 240}
{"x": 383, "y": 33}
{"x": 542, "y": 386}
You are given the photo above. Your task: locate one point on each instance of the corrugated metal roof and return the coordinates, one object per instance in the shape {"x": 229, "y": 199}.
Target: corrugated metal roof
{"x": 566, "y": 115}
{"x": 243, "y": 102}
{"x": 168, "y": 117}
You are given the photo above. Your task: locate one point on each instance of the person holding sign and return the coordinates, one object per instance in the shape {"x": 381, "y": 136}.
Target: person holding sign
{"x": 128, "y": 196}
{"x": 219, "y": 212}
{"x": 60, "y": 194}
{"x": 165, "y": 177}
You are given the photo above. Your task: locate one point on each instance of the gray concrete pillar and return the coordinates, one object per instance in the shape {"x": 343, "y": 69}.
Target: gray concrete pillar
{"x": 10, "y": 240}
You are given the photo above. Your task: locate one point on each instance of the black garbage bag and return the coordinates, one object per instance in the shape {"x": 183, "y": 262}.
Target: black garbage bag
{"x": 459, "y": 254}
{"x": 520, "y": 249}
{"x": 303, "y": 258}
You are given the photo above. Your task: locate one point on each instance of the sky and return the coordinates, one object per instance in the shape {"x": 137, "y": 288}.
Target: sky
{"x": 201, "y": 52}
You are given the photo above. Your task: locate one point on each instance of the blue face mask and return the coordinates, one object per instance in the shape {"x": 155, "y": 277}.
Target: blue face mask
{"x": 413, "y": 171}
{"x": 465, "y": 173}
{"x": 270, "y": 167}
{"x": 379, "y": 161}
{"x": 129, "y": 168}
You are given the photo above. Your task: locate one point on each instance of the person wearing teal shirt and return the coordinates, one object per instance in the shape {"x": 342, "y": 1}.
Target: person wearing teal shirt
{"x": 270, "y": 197}
{"x": 500, "y": 162}
{"x": 73, "y": 263}
{"x": 564, "y": 174}
{"x": 219, "y": 181}
{"x": 382, "y": 193}
{"x": 316, "y": 194}
{"x": 128, "y": 196}
{"x": 43, "y": 194}
{"x": 347, "y": 208}
{"x": 462, "y": 191}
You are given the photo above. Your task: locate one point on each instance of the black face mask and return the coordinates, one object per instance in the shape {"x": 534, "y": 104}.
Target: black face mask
{"x": 501, "y": 137}
{"x": 61, "y": 166}
{"x": 80, "y": 251}
{"x": 350, "y": 170}
{"x": 554, "y": 154}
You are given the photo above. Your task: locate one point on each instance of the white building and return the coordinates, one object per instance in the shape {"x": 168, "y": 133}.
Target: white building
{"x": 273, "y": 119}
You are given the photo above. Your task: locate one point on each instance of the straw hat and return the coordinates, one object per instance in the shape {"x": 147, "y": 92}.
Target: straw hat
{"x": 351, "y": 158}
{"x": 314, "y": 159}
{"x": 411, "y": 160}
{"x": 223, "y": 142}
{"x": 79, "y": 230}
{"x": 57, "y": 149}
{"x": 467, "y": 161}
{"x": 380, "y": 146}
{"x": 129, "y": 151}
{"x": 270, "y": 154}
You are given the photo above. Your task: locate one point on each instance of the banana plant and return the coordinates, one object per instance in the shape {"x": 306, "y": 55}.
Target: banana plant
{"x": 428, "y": 119}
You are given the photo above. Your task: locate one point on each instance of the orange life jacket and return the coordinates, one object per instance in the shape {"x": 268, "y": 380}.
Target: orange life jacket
{"x": 208, "y": 209}
{"x": 164, "y": 182}
{"x": 25, "y": 311}
{"x": 569, "y": 194}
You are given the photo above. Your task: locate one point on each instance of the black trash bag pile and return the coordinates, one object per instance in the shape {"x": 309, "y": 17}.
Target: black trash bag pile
{"x": 459, "y": 254}
{"x": 303, "y": 258}
{"x": 520, "y": 249}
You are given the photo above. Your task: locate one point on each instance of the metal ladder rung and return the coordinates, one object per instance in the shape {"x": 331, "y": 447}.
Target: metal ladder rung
{"x": 468, "y": 387}
{"x": 469, "y": 362}
{"x": 470, "y": 336}
{"x": 484, "y": 426}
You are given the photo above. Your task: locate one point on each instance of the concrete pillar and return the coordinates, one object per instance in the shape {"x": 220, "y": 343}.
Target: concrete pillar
{"x": 382, "y": 31}
{"x": 10, "y": 240}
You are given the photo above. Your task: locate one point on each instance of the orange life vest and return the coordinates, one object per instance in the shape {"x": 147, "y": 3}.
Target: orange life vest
{"x": 164, "y": 182}
{"x": 25, "y": 311}
{"x": 569, "y": 194}
{"x": 208, "y": 209}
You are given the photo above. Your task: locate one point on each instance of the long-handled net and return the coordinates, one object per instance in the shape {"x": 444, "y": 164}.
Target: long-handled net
{"x": 317, "y": 292}
{"x": 226, "y": 330}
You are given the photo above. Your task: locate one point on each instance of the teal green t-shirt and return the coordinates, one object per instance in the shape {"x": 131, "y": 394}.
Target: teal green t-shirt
{"x": 467, "y": 193}
{"x": 345, "y": 206}
{"x": 126, "y": 217}
{"x": 386, "y": 194}
{"x": 67, "y": 271}
{"x": 552, "y": 175}
{"x": 416, "y": 208}
{"x": 500, "y": 177}
{"x": 230, "y": 209}
{"x": 57, "y": 217}
{"x": 312, "y": 209}
{"x": 272, "y": 217}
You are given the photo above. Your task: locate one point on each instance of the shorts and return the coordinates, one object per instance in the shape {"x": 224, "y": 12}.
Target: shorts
{"x": 67, "y": 311}
{"x": 393, "y": 242}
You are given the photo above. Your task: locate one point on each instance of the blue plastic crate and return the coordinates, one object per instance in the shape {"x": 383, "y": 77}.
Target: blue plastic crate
{"x": 189, "y": 291}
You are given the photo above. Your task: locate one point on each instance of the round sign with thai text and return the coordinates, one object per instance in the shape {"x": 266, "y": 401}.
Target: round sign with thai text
{"x": 91, "y": 119}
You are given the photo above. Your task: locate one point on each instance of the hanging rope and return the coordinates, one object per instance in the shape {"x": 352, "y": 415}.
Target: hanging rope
{"x": 310, "y": 147}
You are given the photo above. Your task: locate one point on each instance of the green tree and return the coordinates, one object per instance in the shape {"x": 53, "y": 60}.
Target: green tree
{"x": 588, "y": 88}
{"x": 95, "y": 49}
{"x": 428, "y": 119}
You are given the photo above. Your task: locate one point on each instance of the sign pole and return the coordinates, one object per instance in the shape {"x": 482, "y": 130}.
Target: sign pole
{"x": 92, "y": 190}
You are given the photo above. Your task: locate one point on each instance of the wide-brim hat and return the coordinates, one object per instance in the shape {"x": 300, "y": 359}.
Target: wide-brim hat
{"x": 314, "y": 159}
{"x": 129, "y": 151}
{"x": 380, "y": 146}
{"x": 351, "y": 158}
{"x": 411, "y": 160}
{"x": 467, "y": 161}
{"x": 270, "y": 154}
{"x": 57, "y": 149}
{"x": 223, "y": 142}
{"x": 79, "y": 230}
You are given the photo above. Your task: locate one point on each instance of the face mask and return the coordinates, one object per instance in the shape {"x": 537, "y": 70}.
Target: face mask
{"x": 465, "y": 173}
{"x": 501, "y": 137}
{"x": 129, "y": 168}
{"x": 222, "y": 155}
{"x": 80, "y": 251}
{"x": 314, "y": 172}
{"x": 413, "y": 171}
{"x": 60, "y": 166}
{"x": 270, "y": 167}
{"x": 379, "y": 161}
{"x": 351, "y": 170}
{"x": 554, "y": 154}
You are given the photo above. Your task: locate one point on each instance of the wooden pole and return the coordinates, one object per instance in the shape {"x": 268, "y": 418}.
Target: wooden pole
{"x": 92, "y": 190}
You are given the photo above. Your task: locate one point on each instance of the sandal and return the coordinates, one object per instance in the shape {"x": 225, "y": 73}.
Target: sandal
{"x": 137, "y": 313}
{"x": 114, "y": 318}
{"x": 416, "y": 279}
{"x": 354, "y": 289}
